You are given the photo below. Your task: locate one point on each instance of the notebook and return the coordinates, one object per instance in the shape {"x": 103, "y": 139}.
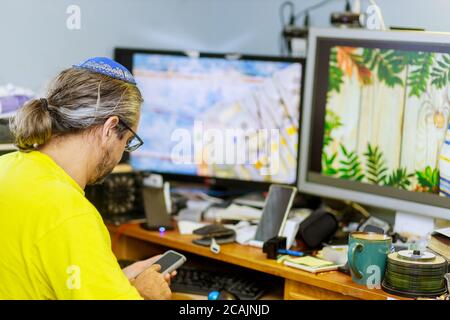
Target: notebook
{"x": 310, "y": 264}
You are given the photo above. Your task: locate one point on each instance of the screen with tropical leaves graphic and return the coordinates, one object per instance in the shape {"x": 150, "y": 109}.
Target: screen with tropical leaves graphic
{"x": 387, "y": 118}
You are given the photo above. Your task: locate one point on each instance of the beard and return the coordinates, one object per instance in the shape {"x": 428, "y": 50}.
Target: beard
{"x": 103, "y": 169}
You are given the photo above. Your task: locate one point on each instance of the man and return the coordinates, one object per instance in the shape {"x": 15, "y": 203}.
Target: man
{"x": 54, "y": 244}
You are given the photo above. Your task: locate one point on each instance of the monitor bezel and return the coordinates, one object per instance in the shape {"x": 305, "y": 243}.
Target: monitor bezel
{"x": 338, "y": 190}
{"x": 124, "y": 56}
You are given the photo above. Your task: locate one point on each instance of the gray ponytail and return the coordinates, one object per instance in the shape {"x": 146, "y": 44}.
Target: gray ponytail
{"x": 77, "y": 100}
{"x": 31, "y": 125}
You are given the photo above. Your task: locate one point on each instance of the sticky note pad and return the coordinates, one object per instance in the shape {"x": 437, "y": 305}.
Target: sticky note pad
{"x": 310, "y": 261}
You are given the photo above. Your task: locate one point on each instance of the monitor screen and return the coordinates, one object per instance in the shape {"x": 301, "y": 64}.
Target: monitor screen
{"x": 380, "y": 117}
{"x": 228, "y": 117}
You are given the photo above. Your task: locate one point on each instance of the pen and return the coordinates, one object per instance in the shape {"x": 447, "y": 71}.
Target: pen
{"x": 291, "y": 252}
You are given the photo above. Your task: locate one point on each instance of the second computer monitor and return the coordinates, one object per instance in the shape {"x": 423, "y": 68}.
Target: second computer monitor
{"x": 229, "y": 117}
{"x": 376, "y": 124}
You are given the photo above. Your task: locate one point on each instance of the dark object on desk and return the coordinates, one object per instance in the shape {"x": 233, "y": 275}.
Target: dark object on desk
{"x": 373, "y": 229}
{"x": 179, "y": 202}
{"x": 145, "y": 226}
{"x": 119, "y": 197}
{"x": 345, "y": 269}
{"x": 317, "y": 228}
{"x": 156, "y": 209}
{"x": 271, "y": 246}
{"x": 376, "y": 225}
{"x": 346, "y": 211}
{"x": 213, "y": 230}
{"x": 206, "y": 241}
{"x": 220, "y": 233}
{"x": 396, "y": 237}
{"x": 197, "y": 281}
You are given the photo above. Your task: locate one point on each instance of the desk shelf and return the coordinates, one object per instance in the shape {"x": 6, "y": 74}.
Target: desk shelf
{"x": 298, "y": 284}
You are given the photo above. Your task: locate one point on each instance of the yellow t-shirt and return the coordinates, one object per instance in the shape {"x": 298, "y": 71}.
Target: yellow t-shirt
{"x": 53, "y": 243}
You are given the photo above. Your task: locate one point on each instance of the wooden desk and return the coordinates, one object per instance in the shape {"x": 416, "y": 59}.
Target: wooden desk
{"x": 133, "y": 242}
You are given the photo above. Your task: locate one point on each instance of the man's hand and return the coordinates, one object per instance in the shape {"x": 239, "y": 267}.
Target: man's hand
{"x": 132, "y": 271}
{"x": 151, "y": 284}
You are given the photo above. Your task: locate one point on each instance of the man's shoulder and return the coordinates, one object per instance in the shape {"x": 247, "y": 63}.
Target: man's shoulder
{"x": 8, "y": 159}
{"x": 8, "y": 156}
{"x": 63, "y": 201}
{"x": 63, "y": 194}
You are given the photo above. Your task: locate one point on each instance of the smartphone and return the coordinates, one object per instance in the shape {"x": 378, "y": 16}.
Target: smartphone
{"x": 170, "y": 261}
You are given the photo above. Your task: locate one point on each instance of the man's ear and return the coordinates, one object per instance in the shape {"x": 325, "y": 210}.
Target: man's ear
{"x": 109, "y": 127}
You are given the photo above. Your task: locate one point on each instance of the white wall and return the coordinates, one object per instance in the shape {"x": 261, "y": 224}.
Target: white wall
{"x": 35, "y": 43}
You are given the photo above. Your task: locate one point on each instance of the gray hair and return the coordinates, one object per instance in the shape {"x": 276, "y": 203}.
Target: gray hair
{"x": 77, "y": 100}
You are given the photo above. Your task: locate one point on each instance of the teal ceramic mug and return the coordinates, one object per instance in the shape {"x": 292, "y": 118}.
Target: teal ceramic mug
{"x": 367, "y": 256}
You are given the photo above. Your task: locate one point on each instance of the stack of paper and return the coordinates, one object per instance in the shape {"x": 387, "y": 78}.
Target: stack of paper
{"x": 440, "y": 242}
{"x": 310, "y": 264}
{"x": 235, "y": 212}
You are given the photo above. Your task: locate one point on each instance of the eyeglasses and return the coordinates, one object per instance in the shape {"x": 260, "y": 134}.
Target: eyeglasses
{"x": 134, "y": 142}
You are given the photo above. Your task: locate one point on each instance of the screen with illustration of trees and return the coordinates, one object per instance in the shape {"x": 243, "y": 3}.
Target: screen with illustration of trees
{"x": 386, "y": 117}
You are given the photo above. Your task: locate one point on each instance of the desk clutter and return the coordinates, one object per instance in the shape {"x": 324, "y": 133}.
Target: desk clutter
{"x": 311, "y": 240}
{"x": 440, "y": 242}
{"x": 242, "y": 286}
{"x": 214, "y": 232}
{"x": 406, "y": 273}
{"x": 309, "y": 263}
{"x": 414, "y": 273}
{"x": 217, "y": 283}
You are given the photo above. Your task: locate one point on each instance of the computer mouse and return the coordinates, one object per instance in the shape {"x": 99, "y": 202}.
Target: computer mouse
{"x": 222, "y": 295}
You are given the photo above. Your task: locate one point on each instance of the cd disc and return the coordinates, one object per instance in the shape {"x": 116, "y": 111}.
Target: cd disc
{"x": 415, "y": 274}
{"x": 413, "y": 255}
{"x": 399, "y": 259}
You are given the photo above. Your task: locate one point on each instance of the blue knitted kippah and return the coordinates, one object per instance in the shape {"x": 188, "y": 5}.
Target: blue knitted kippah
{"x": 107, "y": 67}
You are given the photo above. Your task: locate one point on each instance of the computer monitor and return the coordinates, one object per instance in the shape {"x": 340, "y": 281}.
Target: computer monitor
{"x": 222, "y": 117}
{"x": 375, "y": 125}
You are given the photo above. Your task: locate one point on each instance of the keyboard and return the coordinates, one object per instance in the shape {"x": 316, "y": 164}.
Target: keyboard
{"x": 198, "y": 281}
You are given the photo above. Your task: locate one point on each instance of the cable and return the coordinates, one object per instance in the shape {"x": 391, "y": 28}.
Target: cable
{"x": 284, "y": 47}
{"x": 348, "y": 7}
{"x": 293, "y": 17}
{"x": 292, "y": 11}
{"x": 311, "y": 8}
